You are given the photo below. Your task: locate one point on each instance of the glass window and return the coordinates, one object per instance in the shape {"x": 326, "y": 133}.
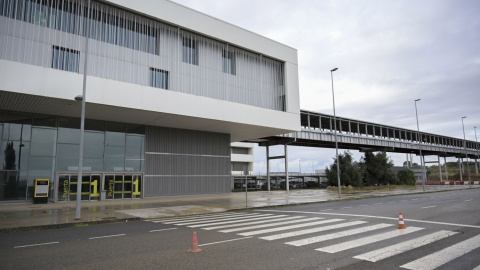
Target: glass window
{"x": 26, "y": 132}
{"x": 135, "y": 147}
{"x": 12, "y": 131}
{"x": 114, "y": 139}
{"x": 14, "y": 155}
{"x": 228, "y": 62}
{"x": 22, "y": 185}
{"x": 93, "y": 144}
{"x": 114, "y": 158}
{"x": 189, "y": 51}
{"x": 68, "y": 135}
{"x": 134, "y": 165}
{"x": 158, "y": 78}
{"x": 8, "y": 184}
{"x": 92, "y": 164}
{"x": 14, "y": 184}
{"x": 41, "y": 164}
{"x": 67, "y": 157}
{"x": 43, "y": 142}
{"x": 65, "y": 59}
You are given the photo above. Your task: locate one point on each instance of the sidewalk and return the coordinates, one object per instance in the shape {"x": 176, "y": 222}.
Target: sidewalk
{"x": 28, "y": 216}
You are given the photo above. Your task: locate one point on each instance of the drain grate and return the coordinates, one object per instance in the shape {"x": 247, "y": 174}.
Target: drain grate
{"x": 109, "y": 218}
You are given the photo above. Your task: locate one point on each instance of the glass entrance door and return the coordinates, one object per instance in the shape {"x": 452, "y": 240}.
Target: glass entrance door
{"x": 115, "y": 186}
{"x": 67, "y": 187}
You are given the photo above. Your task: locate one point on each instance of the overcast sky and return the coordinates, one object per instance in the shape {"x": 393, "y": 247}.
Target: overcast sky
{"x": 388, "y": 54}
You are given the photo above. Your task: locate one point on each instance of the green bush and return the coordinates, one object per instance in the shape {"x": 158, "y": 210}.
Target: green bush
{"x": 406, "y": 177}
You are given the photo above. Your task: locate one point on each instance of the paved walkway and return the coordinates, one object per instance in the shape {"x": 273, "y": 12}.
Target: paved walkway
{"x": 27, "y": 216}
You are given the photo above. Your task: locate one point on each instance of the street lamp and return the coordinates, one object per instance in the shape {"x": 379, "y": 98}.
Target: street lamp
{"x": 476, "y": 147}
{"x": 466, "y": 155}
{"x": 336, "y": 141}
{"x": 82, "y": 123}
{"x": 420, "y": 146}
{"x": 80, "y": 155}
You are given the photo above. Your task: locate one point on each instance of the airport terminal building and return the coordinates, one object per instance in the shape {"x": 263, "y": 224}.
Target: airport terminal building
{"x": 168, "y": 89}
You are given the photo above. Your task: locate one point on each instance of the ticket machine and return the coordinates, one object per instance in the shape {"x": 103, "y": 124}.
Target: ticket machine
{"x": 41, "y": 191}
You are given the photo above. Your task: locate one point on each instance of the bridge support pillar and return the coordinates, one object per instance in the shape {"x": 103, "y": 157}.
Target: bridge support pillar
{"x": 268, "y": 167}
{"x": 287, "y": 185}
{"x": 446, "y": 170}
{"x": 440, "y": 169}
{"x": 460, "y": 161}
{"x": 424, "y": 172}
{"x": 476, "y": 166}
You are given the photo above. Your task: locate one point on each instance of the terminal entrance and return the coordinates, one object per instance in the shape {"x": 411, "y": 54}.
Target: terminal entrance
{"x": 112, "y": 185}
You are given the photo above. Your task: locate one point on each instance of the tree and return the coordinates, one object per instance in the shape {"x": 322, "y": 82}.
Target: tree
{"x": 350, "y": 173}
{"x": 377, "y": 169}
{"x": 406, "y": 177}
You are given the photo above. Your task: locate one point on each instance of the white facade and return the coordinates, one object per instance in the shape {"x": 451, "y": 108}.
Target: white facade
{"x": 242, "y": 156}
{"x": 135, "y": 101}
{"x": 192, "y": 83}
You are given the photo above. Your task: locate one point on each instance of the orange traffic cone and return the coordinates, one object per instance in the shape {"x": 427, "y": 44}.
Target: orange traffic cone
{"x": 401, "y": 225}
{"x": 194, "y": 247}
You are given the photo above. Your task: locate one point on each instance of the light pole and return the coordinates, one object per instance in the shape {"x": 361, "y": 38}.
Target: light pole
{"x": 82, "y": 122}
{"x": 466, "y": 155}
{"x": 299, "y": 166}
{"x": 336, "y": 141}
{"x": 476, "y": 147}
{"x": 420, "y": 146}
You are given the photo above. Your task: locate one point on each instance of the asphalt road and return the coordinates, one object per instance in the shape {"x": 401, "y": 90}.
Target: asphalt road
{"x": 443, "y": 232}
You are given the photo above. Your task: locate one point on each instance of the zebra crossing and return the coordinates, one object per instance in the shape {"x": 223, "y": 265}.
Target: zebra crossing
{"x": 316, "y": 230}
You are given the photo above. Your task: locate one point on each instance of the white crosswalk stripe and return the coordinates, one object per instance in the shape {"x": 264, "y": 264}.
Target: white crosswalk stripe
{"x": 276, "y": 229}
{"x": 269, "y": 225}
{"x": 445, "y": 255}
{"x": 193, "y": 221}
{"x": 271, "y": 219}
{"x": 177, "y": 219}
{"x": 322, "y": 238}
{"x": 368, "y": 240}
{"x": 389, "y": 251}
{"x": 218, "y": 220}
{"x": 314, "y": 230}
{"x": 262, "y": 218}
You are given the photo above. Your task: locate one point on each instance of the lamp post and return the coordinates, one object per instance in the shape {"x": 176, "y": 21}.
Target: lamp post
{"x": 466, "y": 155}
{"x": 420, "y": 146}
{"x": 82, "y": 122}
{"x": 336, "y": 141}
{"x": 476, "y": 147}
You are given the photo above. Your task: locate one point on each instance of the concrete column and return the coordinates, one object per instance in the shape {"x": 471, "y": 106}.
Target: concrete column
{"x": 287, "y": 187}
{"x": 476, "y": 166}
{"x": 268, "y": 167}
{"x": 408, "y": 165}
{"x": 446, "y": 170}
{"x": 424, "y": 173}
{"x": 460, "y": 169}
{"x": 440, "y": 169}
